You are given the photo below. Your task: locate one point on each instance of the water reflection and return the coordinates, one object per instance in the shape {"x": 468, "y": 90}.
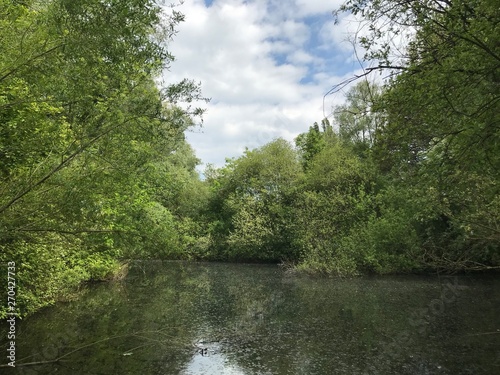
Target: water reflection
{"x": 188, "y": 319}
{"x": 211, "y": 361}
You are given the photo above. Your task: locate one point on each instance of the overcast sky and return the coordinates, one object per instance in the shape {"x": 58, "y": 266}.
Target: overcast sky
{"x": 265, "y": 64}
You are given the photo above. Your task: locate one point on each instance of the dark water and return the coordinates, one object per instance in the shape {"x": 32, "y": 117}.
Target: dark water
{"x": 185, "y": 319}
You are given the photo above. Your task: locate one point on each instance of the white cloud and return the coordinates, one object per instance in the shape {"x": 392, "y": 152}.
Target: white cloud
{"x": 311, "y": 7}
{"x": 300, "y": 57}
{"x": 258, "y": 62}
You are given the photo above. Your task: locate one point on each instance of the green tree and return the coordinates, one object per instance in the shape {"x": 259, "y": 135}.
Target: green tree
{"x": 311, "y": 143}
{"x": 82, "y": 125}
{"x": 357, "y": 120}
{"x": 328, "y": 204}
{"x": 252, "y": 194}
{"x": 440, "y": 127}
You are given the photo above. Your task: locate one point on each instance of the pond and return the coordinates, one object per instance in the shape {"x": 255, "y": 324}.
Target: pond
{"x": 235, "y": 319}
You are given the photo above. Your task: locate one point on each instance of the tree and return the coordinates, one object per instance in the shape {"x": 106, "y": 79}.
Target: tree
{"x": 82, "y": 125}
{"x": 311, "y": 143}
{"x": 448, "y": 89}
{"x": 357, "y": 121}
{"x": 328, "y": 203}
{"x": 253, "y": 195}
{"x": 441, "y": 117}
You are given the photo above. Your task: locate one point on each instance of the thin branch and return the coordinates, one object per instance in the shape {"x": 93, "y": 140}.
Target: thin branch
{"x": 6, "y": 75}
{"x": 60, "y": 166}
{"x": 58, "y": 359}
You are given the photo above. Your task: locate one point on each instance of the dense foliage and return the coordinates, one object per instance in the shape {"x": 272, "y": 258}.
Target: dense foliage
{"x": 95, "y": 169}
{"x": 94, "y": 166}
{"x": 407, "y": 177}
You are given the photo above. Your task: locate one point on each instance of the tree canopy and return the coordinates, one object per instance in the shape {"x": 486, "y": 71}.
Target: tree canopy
{"x": 86, "y": 139}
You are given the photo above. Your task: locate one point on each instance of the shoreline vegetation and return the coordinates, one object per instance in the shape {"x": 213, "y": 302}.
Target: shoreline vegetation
{"x": 95, "y": 168}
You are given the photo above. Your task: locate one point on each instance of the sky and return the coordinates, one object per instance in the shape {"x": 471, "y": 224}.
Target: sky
{"x": 265, "y": 64}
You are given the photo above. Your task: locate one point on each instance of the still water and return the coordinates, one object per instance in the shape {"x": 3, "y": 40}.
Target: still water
{"x": 175, "y": 318}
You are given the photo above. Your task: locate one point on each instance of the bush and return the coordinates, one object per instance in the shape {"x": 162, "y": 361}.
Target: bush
{"x": 50, "y": 268}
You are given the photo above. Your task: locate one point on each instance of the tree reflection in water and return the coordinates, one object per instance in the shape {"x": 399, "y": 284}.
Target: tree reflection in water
{"x": 199, "y": 318}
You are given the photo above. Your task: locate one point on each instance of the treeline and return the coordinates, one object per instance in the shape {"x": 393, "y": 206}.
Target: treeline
{"x": 327, "y": 205}
{"x": 94, "y": 166}
{"x": 406, "y": 176}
